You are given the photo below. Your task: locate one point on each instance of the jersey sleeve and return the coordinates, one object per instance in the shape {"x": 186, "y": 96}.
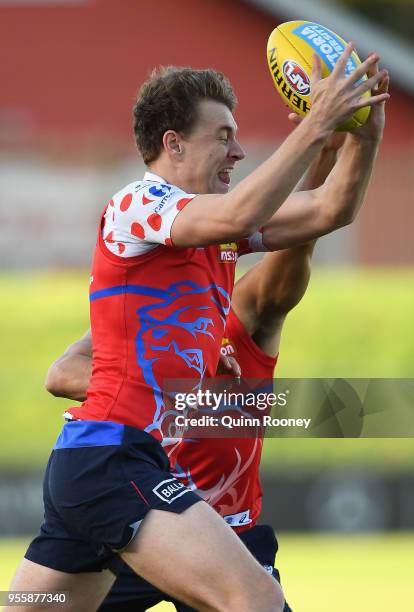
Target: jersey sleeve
{"x": 140, "y": 217}
{"x": 251, "y": 244}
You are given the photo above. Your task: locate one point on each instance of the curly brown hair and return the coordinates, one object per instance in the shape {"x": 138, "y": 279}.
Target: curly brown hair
{"x": 168, "y": 101}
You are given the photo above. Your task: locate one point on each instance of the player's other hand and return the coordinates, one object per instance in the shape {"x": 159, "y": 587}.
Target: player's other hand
{"x": 335, "y": 141}
{"x": 229, "y": 366}
{"x": 337, "y": 97}
{"x": 373, "y": 129}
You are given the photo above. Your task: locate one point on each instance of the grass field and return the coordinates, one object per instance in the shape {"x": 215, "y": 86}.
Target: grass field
{"x": 350, "y": 324}
{"x": 320, "y": 573}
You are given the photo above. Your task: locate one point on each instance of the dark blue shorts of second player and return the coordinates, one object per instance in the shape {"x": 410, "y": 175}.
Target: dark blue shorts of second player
{"x": 101, "y": 481}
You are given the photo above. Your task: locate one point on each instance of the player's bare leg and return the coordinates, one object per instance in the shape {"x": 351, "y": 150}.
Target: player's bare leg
{"x": 85, "y": 591}
{"x": 198, "y": 559}
{"x": 194, "y": 556}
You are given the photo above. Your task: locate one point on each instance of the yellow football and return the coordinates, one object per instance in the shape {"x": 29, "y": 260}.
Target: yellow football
{"x": 289, "y": 55}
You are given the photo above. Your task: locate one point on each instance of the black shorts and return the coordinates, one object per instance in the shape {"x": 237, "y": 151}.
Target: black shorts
{"x": 132, "y": 593}
{"x": 101, "y": 481}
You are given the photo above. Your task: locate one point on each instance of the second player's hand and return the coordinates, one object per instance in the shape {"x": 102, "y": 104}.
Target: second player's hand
{"x": 373, "y": 129}
{"x": 335, "y": 141}
{"x": 337, "y": 97}
{"x": 228, "y": 365}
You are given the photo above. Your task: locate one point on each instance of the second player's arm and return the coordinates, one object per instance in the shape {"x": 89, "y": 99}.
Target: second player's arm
{"x": 263, "y": 297}
{"x": 69, "y": 375}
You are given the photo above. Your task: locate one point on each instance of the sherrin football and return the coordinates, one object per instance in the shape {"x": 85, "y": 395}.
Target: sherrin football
{"x": 289, "y": 55}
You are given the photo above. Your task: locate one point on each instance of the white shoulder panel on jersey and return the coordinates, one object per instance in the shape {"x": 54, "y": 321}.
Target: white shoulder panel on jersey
{"x": 139, "y": 217}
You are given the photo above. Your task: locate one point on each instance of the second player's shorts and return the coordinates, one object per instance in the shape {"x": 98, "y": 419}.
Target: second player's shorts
{"x": 101, "y": 481}
{"x": 131, "y": 593}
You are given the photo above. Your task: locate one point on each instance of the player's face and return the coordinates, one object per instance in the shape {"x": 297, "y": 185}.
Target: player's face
{"x": 211, "y": 150}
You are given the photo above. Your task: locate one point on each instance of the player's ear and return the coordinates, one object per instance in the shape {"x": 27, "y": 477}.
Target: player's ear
{"x": 172, "y": 143}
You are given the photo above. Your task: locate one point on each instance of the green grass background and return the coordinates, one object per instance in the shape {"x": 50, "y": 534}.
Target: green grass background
{"x": 351, "y": 323}
{"x": 319, "y": 573}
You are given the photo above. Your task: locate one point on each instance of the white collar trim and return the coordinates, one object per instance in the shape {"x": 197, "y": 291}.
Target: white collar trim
{"x": 150, "y": 176}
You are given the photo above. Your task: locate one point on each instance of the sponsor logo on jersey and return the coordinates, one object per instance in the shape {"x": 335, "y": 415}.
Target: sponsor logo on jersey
{"x": 296, "y": 77}
{"x": 159, "y": 190}
{"x": 239, "y": 519}
{"x": 169, "y": 490}
{"x": 163, "y": 201}
{"x": 227, "y": 348}
{"x": 228, "y": 252}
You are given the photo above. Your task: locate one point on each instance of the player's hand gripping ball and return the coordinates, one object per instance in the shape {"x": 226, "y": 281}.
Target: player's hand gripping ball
{"x": 289, "y": 55}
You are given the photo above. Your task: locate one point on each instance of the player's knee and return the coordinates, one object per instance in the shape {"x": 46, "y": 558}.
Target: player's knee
{"x": 269, "y": 595}
{"x": 265, "y": 596}
{"x": 275, "y": 597}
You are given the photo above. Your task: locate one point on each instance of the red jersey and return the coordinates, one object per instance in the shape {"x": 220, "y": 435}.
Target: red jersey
{"x": 157, "y": 311}
{"x": 225, "y": 472}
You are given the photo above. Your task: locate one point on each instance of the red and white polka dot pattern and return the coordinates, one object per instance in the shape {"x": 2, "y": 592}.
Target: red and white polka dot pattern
{"x": 140, "y": 216}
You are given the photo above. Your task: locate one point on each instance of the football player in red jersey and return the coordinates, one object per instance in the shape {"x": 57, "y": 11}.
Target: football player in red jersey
{"x": 227, "y": 479}
{"x": 159, "y": 296}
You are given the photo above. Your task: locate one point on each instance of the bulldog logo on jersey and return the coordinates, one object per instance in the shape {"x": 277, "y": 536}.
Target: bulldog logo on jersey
{"x": 228, "y": 252}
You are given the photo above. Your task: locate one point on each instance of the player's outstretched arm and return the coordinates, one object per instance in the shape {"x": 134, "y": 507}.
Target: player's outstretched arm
{"x": 308, "y": 215}
{"x": 209, "y": 219}
{"x": 69, "y": 375}
{"x": 264, "y": 296}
